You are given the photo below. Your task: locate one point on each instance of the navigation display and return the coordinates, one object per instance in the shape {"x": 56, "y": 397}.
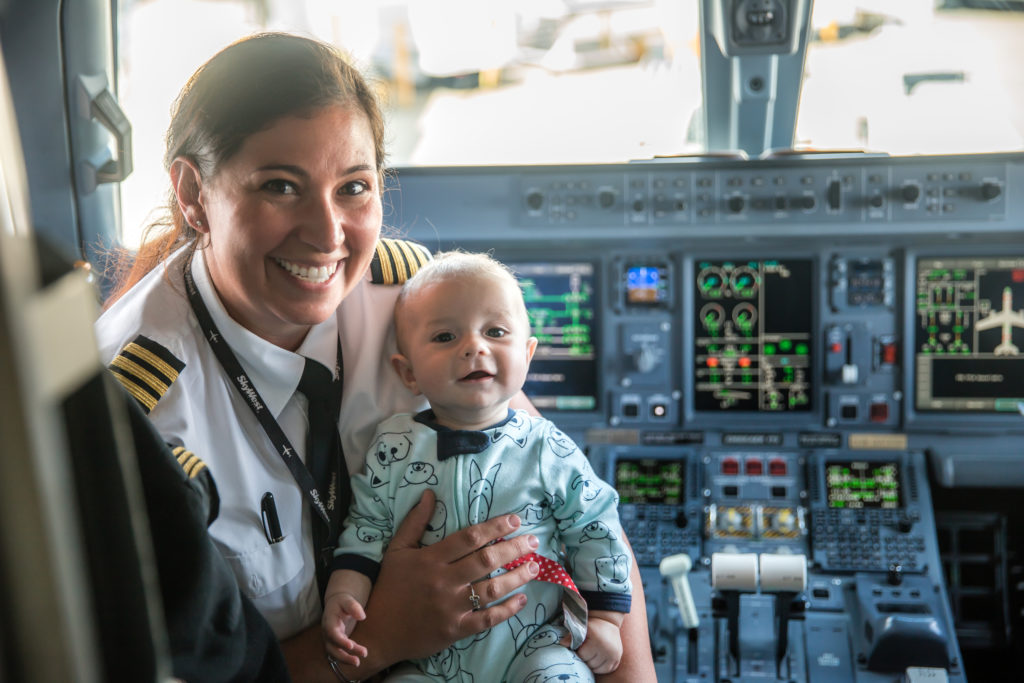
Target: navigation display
{"x": 650, "y": 481}
{"x": 753, "y": 335}
{"x": 970, "y": 335}
{"x": 564, "y": 318}
{"x": 863, "y": 485}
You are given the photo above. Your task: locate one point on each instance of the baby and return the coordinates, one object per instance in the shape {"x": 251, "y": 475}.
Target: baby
{"x": 464, "y": 343}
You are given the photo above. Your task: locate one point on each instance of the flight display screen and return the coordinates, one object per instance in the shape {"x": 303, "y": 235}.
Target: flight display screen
{"x": 969, "y": 341}
{"x": 646, "y": 285}
{"x": 648, "y": 480}
{"x": 856, "y": 485}
{"x": 753, "y": 335}
{"x": 560, "y": 300}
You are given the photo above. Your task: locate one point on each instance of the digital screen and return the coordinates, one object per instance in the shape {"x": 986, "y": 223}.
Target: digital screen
{"x": 647, "y": 285}
{"x": 564, "y": 318}
{"x": 650, "y": 481}
{"x": 863, "y": 485}
{"x": 753, "y": 335}
{"x": 970, "y": 335}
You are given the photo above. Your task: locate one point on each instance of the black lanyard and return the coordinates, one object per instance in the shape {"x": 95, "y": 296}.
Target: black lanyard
{"x": 329, "y": 512}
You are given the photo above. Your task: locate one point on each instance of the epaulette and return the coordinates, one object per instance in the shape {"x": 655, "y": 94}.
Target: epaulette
{"x": 397, "y": 260}
{"x": 201, "y": 479}
{"x": 147, "y": 370}
{"x": 189, "y": 461}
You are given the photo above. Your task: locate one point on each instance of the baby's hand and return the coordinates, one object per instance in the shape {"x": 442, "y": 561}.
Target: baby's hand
{"x": 602, "y": 648}
{"x": 341, "y": 612}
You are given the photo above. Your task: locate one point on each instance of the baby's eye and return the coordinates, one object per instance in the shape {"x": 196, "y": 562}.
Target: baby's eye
{"x": 281, "y": 186}
{"x": 496, "y": 332}
{"x": 442, "y": 337}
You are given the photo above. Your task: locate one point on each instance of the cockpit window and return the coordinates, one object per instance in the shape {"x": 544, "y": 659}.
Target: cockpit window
{"x": 559, "y": 81}
{"x": 921, "y": 77}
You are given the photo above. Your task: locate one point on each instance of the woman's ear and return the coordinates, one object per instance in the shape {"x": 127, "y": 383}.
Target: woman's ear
{"x": 188, "y": 186}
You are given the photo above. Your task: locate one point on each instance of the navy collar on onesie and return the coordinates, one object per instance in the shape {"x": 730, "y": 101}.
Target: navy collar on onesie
{"x": 452, "y": 442}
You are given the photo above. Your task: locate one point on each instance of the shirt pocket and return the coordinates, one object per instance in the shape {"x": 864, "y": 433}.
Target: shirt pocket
{"x": 265, "y": 570}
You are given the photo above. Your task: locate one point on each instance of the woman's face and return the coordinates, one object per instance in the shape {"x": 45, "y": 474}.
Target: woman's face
{"x": 292, "y": 220}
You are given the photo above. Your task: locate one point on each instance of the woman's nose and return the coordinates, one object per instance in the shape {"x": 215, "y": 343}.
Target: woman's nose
{"x": 324, "y": 225}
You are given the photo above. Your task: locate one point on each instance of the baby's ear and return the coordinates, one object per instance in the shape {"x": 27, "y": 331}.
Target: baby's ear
{"x": 404, "y": 369}
{"x": 531, "y": 348}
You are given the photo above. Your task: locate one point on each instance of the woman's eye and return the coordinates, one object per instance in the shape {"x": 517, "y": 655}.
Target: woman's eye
{"x": 443, "y": 337}
{"x": 356, "y": 187}
{"x": 281, "y": 186}
{"x": 496, "y": 332}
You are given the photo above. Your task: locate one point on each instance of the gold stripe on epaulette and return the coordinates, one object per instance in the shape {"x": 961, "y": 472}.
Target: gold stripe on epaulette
{"x": 147, "y": 370}
{"x": 148, "y": 402}
{"x": 139, "y": 372}
{"x": 189, "y": 461}
{"x": 396, "y": 261}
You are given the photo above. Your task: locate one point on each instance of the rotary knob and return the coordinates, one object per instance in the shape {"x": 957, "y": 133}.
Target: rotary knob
{"x": 990, "y": 190}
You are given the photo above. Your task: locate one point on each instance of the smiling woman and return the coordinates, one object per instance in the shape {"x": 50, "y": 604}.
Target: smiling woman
{"x": 258, "y": 280}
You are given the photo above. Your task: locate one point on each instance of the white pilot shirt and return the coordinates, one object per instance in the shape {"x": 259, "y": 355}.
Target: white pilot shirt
{"x": 203, "y": 411}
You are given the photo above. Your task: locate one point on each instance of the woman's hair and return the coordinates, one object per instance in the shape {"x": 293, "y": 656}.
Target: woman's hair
{"x": 244, "y": 89}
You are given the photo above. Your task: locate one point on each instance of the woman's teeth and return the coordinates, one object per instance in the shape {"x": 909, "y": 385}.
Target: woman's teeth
{"x": 316, "y": 274}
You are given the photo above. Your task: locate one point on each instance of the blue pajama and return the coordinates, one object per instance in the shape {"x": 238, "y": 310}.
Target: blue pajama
{"x": 524, "y": 465}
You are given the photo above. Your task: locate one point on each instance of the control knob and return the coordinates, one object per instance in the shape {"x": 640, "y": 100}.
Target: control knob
{"x": 990, "y": 190}
{"x": 534, "y": 200}
{"x": 910, "y": 193}
{"x": 645, "y": 359}
{"x": 736, "y": 204}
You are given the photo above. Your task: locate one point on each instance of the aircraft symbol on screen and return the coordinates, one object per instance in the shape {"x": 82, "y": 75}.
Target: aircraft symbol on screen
{"x": 1008, "y": 319}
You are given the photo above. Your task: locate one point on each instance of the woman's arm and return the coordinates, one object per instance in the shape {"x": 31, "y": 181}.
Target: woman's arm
{"x": 420, "y": 602}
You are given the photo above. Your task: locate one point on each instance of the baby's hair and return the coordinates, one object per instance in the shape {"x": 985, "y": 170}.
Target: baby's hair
{"x": 449, "y": 265}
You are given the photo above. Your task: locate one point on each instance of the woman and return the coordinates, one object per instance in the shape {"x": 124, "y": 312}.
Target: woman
{"x": 275, "y": 154}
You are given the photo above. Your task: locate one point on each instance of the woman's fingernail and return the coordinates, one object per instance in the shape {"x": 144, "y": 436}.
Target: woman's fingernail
{"x": 532, "y": 540}
{"x": 534, "y": 568}
{"x": 513, "y": 521}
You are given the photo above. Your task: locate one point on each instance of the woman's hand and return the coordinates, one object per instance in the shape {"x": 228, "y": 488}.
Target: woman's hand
{"x": 421, "y": 601}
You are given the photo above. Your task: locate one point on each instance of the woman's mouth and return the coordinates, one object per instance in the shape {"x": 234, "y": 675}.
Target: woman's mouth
{"x": 315, "y": 274}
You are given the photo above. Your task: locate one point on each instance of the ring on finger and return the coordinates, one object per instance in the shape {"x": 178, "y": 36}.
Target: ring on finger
{"x": 474, "y": 598}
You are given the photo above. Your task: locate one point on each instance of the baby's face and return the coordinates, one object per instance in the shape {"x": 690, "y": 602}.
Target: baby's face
{"x": 466, "y": 347}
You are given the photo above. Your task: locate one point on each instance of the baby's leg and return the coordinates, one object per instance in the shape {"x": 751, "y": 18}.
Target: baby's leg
{"x": 543, "y": 659}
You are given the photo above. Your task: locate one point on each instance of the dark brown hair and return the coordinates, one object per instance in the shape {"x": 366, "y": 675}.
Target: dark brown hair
{"x": 244, "y": 89}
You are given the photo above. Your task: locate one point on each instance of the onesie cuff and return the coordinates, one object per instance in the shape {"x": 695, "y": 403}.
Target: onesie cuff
{"x": 357, "y": 563}
{"x": 612, "y": 602}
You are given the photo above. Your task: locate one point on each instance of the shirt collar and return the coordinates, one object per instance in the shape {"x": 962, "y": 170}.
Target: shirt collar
{"x": 275, "y": 372}
{"x": 452, "y": 442}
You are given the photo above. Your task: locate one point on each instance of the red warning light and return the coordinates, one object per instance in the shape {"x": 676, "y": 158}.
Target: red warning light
{"x": 712, "y": 362}
{"x": 1017, "y": 275}
{"x": 744, "y": 362}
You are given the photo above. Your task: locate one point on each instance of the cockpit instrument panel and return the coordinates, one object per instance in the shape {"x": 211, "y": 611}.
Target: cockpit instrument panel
{"x": 560, "y": 300}
{"x": 969, "y": 334}
{"x": 650, "y": 481}
{"x": 753, "y": 341}
{"x": 860, "y": 484}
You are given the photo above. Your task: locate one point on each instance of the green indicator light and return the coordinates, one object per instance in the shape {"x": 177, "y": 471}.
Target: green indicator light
{"x": 785, "y": 344}
{"x": 802, "y": 349}
{"x": 769, "y": 349}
